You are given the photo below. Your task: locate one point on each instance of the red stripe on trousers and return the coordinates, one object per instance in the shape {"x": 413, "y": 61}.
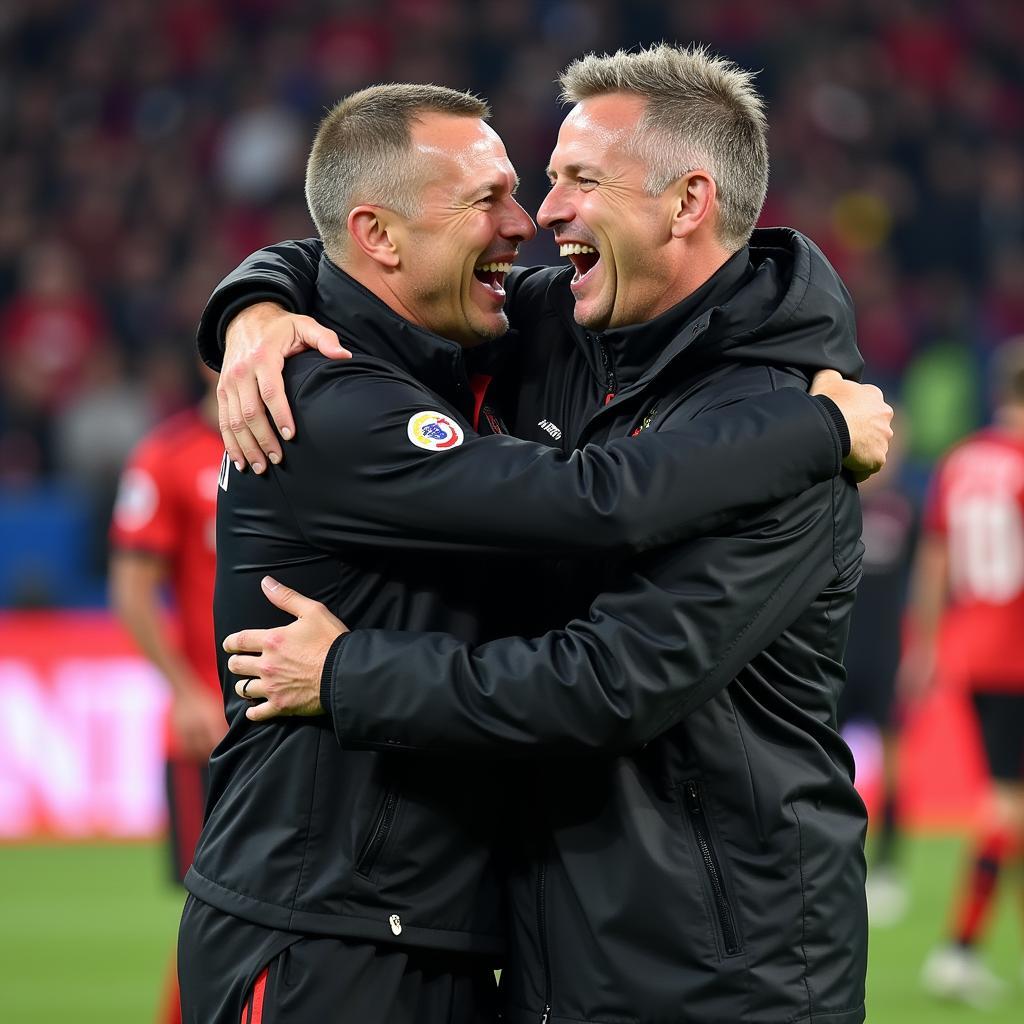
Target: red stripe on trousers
{"x": 258, "y": 992}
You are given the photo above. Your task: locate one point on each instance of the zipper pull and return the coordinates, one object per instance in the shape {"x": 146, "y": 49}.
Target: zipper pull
{"x": 693, "y": 797}
{"x": 608, "y": 397}
{"x": 545, "y": 1015}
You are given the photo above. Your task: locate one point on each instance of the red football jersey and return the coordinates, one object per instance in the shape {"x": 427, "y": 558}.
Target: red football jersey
{"x": 167, "y": 505}
{"x": 977, "y": 504}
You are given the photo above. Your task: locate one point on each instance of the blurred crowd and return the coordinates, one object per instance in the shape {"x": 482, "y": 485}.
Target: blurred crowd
{"x": 149, "y": 144}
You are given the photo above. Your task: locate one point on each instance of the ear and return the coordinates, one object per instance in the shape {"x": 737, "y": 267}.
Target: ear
{"x": 372, "y": 228}
{"x": 696, "y": 199}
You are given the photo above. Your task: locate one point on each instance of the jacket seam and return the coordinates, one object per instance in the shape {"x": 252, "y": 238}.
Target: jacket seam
{"x": 797, "y": 301}
{"x": 309, "y": 819}
{"x": 301, "y": 910}
{"x": 746, "y": 761}
{"x": 803, "y": 912}
{"x": 824, "y": 1013}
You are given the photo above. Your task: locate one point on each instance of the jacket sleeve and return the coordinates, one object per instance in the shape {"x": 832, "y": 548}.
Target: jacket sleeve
{"x": 284, "y": 273}
{"x": 680, "y": 628}
{"x": 354, "y": 475}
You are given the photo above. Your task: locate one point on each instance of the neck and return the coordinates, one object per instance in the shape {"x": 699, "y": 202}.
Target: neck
{"x": 696, "y": 264}
{"x": 381, "y": 283}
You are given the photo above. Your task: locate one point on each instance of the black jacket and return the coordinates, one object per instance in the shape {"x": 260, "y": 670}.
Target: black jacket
{"x": 365, "y": 514}
{"x": 714, "y": 874}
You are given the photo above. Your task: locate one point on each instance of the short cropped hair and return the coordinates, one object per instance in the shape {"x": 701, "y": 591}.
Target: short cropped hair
{"x": 1007, "y": 373}
{"x": 361, "y": 153}
{"x": 702, "y": 112}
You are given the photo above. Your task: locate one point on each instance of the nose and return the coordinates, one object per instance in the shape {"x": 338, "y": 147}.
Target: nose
{"x": 517, "y": 226}
{"x": 555, "y": 209}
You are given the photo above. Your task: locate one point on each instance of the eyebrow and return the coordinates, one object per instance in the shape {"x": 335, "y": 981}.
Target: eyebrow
{"x": 575, "y": 170}
{"x": 496, "y": 186}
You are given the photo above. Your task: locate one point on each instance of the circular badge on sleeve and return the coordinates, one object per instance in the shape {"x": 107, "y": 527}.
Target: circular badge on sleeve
{"x": 435, "y": 431}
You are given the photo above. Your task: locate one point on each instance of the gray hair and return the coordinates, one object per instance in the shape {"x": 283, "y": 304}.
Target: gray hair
{"x": 702, "y": 112}
{"x": 361, "y": 154}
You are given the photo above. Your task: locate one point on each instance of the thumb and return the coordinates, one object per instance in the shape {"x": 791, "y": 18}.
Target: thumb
{"x": 323, "y": 339}
{"x": 823, "y": 378}
{"x": 283, "y": 597}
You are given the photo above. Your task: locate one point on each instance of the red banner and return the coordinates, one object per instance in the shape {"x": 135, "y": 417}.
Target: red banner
{"x": 81, "y": 730}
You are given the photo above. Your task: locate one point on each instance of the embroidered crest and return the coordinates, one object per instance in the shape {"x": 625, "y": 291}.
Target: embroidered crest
{"x": 434, "y": 431}
{"x": 646, "y": 421}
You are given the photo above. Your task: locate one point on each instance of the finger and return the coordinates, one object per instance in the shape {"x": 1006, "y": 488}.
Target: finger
{"x": 286, "y": 599}
{"x": 227, "y": 435}
{"x": 261, "y": 712}
{"x": 242, "y": 436}
{"x": 250, "y": 689}
{"x": 246, "y": 641}
{"x": 271, "y": 386}
{"x": 245, "y": 665}
{"x": 254, "y": 416}
{"x": 323, "y": 339}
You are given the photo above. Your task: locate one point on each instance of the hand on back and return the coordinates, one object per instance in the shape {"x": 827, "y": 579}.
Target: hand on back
{"x": 868, "y": 417}
{"x": 258, "y": 341}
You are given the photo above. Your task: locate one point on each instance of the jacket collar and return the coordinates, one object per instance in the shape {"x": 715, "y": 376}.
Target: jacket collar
{"x": 634, "y": 349}
{"x": 370, "y": 327}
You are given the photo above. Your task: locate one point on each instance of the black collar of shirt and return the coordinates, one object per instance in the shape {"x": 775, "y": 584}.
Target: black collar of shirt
{"x": 369, "y": 326}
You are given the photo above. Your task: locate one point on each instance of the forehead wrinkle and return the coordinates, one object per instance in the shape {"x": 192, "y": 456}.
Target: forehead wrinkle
{"x": 472, "y": 168}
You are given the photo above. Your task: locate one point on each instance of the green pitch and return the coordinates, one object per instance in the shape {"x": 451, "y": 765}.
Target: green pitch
{"x": 85, "y": 932}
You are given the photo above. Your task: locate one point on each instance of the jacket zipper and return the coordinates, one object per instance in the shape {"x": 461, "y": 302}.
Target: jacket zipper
{"x": 611, "y": 385}
{"x": 702, "y": 835}
{"x": 379, "y": 835}
{"x": 542, "y": 930}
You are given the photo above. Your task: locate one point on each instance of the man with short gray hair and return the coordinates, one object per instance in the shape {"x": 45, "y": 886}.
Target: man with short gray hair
{"x": 700, "y": 111}
{"x": 709, "y": 866}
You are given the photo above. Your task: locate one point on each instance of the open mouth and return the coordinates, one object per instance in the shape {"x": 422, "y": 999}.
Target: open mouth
{"x": 492, "y": 276}
{"x": 583, "y": 257}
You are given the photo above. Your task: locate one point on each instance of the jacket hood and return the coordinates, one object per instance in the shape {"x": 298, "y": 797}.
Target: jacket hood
{"x": 794, "y": 310}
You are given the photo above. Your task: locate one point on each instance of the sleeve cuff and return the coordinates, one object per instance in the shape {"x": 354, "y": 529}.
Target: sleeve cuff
{"x": 838, "y": 420}
{"x": 327, "y": 673}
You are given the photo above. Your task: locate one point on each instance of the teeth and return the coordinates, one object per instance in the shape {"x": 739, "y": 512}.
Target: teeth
{"x": 574, "y": 249}
{"x": 500, "y": 268}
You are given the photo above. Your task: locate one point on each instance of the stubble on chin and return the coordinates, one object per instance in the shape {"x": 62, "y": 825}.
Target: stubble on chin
{"x": 492, "y": 330}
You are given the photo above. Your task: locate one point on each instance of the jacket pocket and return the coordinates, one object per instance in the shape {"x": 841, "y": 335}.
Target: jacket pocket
{"x": 378, "y": 834}
{"x": 693, "y": 805}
